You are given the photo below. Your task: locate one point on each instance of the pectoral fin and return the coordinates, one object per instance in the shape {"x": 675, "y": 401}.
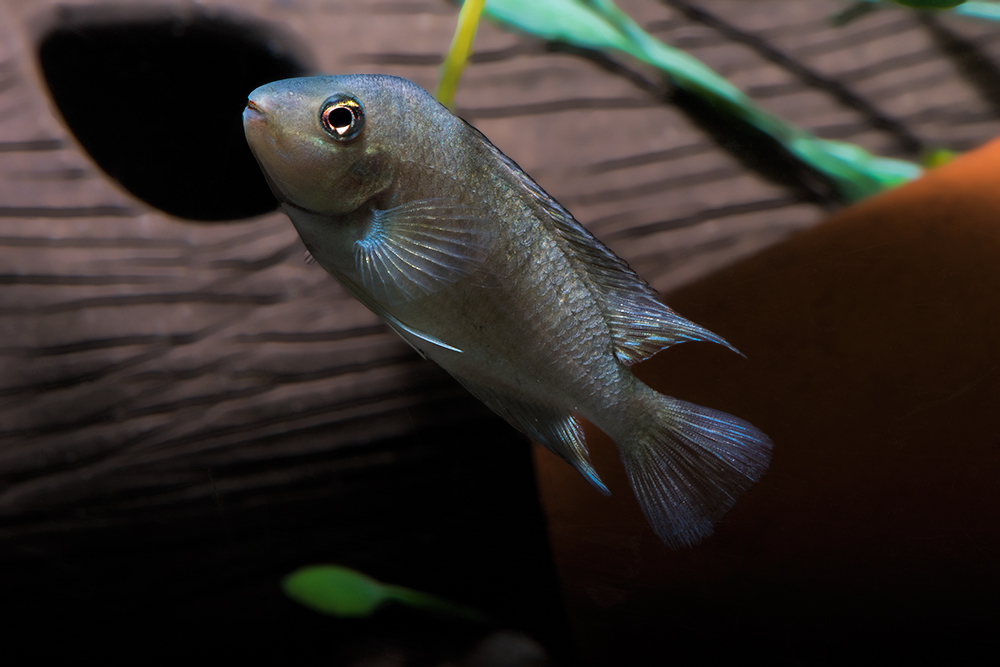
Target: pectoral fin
{"x": 417, "y": 248}
{"x": 399, "y": 327}
{"x": 393, "y": 322}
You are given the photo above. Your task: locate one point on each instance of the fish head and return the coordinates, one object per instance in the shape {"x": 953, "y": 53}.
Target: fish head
{"x": 327, "y": 144}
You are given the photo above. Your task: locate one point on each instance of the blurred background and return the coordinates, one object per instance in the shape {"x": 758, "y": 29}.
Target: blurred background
{"x": 189, "y": 411}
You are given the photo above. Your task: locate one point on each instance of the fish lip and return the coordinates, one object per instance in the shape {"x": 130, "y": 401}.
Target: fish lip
{"x": 254, "y": 110}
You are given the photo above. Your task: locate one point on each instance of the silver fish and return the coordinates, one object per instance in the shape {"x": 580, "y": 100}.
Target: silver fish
{"x": 440, "y": 234}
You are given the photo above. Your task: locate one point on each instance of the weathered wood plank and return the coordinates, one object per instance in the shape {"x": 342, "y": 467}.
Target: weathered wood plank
{"x": 103, "y": 295}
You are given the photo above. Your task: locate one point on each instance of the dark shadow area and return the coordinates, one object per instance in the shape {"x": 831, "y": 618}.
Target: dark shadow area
{"x": 757, "y": 151}
{"x": 452, "y": 511}
{"x": 838, "y": 90}
{"x": 971, "y": 60}
{"x": 753, "y": 148}
{"x": 156, "y": 99}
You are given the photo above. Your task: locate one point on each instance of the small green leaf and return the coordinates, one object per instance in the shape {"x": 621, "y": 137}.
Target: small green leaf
{"x": 855, "y": 11}
{"x": 335, "y": 590}
{"x": 987, "y": 11}
{"x": 345, "y": 593}
{"x": 936, "y": 158}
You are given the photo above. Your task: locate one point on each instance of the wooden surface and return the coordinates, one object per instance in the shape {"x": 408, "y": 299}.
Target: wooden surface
{"x": 152, "y": 366}
{"x": 137, "y": 342}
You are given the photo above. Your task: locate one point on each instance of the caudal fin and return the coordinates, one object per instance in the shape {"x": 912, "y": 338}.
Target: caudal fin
{"x": 689, "y": 464}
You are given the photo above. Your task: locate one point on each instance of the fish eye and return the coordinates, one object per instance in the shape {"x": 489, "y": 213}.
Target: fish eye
{"x": 342, "y": 117}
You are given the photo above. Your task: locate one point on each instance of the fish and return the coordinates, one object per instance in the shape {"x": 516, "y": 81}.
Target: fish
{"x": 430, "y": 226}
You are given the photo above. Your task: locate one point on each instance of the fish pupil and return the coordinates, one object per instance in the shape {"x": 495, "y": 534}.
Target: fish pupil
{"x": 342, "y": 117}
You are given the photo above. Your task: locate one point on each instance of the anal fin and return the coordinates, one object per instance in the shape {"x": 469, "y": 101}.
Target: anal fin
{"x": 553, "y": 428}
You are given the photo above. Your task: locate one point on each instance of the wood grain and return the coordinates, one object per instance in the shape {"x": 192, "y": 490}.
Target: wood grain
{"x": 136, "y": 341}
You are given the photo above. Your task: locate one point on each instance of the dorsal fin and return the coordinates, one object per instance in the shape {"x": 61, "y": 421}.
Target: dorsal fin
{"x": 640, "y": 324}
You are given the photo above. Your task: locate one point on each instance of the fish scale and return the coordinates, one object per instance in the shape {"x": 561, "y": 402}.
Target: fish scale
{"x": 430, "y": 226}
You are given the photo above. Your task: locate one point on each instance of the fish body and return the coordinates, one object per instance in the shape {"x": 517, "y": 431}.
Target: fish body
{"x": 430, "y": 226}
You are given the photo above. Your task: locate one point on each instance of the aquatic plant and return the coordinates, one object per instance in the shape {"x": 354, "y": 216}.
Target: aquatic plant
{"x": 599, "y": 25}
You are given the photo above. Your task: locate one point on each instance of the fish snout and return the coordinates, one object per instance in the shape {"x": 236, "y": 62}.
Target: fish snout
{"x": 254, "y": 112}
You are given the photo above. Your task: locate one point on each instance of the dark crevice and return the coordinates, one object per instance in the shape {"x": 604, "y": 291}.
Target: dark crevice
{"x": 858, "y": 37}
{"x": 913, "y": 85}
{"x": 69, "y": 381}
{"x": 124, "y": 300}
{"x": 428, "y": 376}
{"x": 104, "y": 344}
{"x": 972, "y": 62}
{"x": 272, "y": 378}
{"x": 110, "y": 211}
{"x": 68, "y": 174}
{"x": 756, "y": 150}
{"x": 31, "y": 145}
{"x": 90, "y": 242}
{"x": 156, "y": 97}
{"x": 251, "y": 265}
{"x": 408, "y": 8}
{"x": 666, "y": 155}
{"x": 887, "y": 65}
{"x": 753, "y": 148}
{"x": 157, "y": 346}
{"x": 704, "y": 215}
{"x": 52, "y": 279}
{"x": 8, "y": 82}
{"x": 657, "y": 88}
{"x": 557, "y": 106}
{"x": 311, "y": 337}
{"x": 844, "y": 95}
{"x": 435, "y": 59}
{"x": 644, "y": 189}
{"x": 435, "y": 387}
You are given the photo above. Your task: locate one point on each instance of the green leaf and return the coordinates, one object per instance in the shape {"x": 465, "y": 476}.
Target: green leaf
{"x": 601, "y": 25}
{"x": 989, "y": 11}
{"x": 929, "y": 4}
{"x": 854, "y": 12}
{"x": 335, "y": 590}
{"x": 345, "y": 593}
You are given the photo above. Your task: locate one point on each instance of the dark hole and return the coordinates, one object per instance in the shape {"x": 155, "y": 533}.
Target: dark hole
{"x": 341, "y": 117}
{"x": 157, "y": 101}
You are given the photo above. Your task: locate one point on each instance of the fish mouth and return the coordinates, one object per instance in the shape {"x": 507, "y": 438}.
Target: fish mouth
{"x": 254, "y": 112}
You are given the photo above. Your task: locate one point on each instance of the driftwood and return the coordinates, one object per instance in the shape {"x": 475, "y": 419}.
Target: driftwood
{"x": 201, "y": 377}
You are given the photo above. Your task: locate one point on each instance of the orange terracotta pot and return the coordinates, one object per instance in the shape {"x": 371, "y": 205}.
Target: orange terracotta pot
{"x": 873, "y": 362}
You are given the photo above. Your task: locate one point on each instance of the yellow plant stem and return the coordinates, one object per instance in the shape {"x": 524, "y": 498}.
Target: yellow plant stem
{"x": 458, "y": 54}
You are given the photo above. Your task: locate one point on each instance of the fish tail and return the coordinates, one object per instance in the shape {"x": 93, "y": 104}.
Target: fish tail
{"x": 688, "y": 465}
